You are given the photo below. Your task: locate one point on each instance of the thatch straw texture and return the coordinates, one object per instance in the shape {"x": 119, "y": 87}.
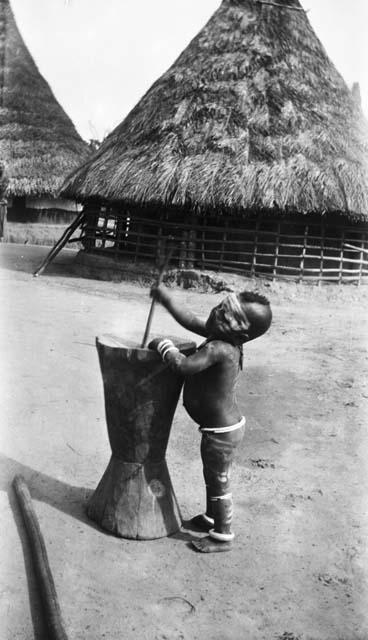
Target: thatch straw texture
{"x": 38, "y": 142}
{"x": 252, "y": 115}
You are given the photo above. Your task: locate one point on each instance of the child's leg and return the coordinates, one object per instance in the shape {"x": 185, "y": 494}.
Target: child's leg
{"x": 217, "y": 451}
{"x": 213, "y": 466}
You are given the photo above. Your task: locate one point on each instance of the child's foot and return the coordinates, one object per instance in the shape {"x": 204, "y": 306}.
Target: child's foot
{"x": 201, "y": 522}
{"x": 210, "y": 545}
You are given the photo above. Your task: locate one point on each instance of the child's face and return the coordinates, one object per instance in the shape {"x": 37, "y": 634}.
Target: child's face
{"x": 224, "y": 321}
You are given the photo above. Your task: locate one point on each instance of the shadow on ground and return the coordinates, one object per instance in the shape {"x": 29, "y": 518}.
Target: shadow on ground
{"x": 28, "y": 261}
{"x": 60, "y": 495}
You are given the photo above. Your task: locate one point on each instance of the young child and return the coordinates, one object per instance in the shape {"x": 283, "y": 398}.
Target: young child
{"x": 211, "y": 374}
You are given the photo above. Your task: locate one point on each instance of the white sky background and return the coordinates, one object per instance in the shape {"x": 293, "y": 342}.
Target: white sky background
{"x": 101, "y": 56}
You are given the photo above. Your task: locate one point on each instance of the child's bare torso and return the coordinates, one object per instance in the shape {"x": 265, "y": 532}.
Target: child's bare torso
{"x": 209, "y": 396}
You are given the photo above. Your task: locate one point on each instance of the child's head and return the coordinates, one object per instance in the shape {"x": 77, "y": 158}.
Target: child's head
{"x": 240, "y": 317}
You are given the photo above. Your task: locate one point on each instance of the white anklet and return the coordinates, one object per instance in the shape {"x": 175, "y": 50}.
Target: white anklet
{"x": 222, "y": 537}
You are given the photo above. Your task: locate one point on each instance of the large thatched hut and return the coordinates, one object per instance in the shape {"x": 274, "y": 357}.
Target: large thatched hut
{"x": 39, "y": 145}
{"x": 250, "y": 149}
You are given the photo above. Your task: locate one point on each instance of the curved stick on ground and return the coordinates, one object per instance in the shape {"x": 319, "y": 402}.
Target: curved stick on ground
{"x": 45, "y": 581}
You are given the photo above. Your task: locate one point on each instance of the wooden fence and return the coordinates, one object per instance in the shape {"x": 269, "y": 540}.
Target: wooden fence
{"x": 287, "y": 248}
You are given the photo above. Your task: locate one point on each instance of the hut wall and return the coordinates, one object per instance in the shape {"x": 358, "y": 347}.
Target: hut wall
{"x": 315, "y": 248}
{"x": 42, "y": 210}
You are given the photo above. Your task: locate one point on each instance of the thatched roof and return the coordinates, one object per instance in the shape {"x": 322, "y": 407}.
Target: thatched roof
{"x": 38, "y": 141}
{"x": 253, "y": 114}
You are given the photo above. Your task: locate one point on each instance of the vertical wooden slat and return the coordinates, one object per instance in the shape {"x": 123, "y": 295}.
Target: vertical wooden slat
{"x": 341, "y": 263}
{"x": 138, "y": 242}
{"x": 362, "y": 247}
{"x": 224, "y": 240}
{"x": 254, "y": 257}
{"x": 119, "y": 231}
{"x": 92, "y": 213}
{"x": 104, "y": 227}
{"x": 320, "y": 278}
{"x": 127, "y": 225}
{"x": 3, "y": 213}
{"x": 277, "y": 248}
{"x": 192, "y": 236}
{"x": 160, "y": 244}
{"x": 191, "y": 248}
{"x": 203, "y": 242}
{"x": 304, "y": 251}
{"x": 183, "y": 251}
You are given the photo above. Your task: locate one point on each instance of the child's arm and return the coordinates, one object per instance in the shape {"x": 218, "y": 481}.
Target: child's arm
{"x": 207, "y": 356}
{"x": 186, "y": 318}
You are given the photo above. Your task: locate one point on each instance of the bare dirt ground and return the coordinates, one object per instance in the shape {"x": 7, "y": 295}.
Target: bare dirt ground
{"x": 299, "y": 569}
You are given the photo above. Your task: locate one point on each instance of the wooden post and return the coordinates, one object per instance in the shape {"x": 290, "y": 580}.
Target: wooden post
{"x": 104, "y": 228}
{"x": 92, "y": 213}
{"x": 255, "y": 247}
{"x": 192, "y": 237}
{"x": 304, "y": 251}
{"x": 119, "y": 232}
{"x": 3, "y": 214}
{"x": 160, "y": 247}
{"x": 135, "y": 497}
{"x": 203, "y": 243}
{"x": 277, "y": 247}
{"x": 361, "y": 260}
{"x": 183, "y": 251}
{"x": 223, "y": 243}
{"x": 320, "y": 279}
{"x": 191, "y": 248}
{"x": 138, "y": 241}
{"x": 341, "y": 264}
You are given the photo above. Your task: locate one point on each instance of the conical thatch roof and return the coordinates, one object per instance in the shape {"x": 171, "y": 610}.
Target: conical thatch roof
{"x": 252, "y": 115}
{"x": 38, "y": 142}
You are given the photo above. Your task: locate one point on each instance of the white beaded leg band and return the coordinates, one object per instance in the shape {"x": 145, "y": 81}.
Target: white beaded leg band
{"x": 221, "y": 537}
{"x": 208, "y": 518}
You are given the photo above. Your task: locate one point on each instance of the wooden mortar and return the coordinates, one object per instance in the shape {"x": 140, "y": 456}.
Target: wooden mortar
{"x": 135, "y": 498}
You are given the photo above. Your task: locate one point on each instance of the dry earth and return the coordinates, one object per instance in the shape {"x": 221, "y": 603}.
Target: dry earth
{"x": 299, "y": 570}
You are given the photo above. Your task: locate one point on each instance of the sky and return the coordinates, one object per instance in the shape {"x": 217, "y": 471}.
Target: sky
{"x": 100, "y": 57}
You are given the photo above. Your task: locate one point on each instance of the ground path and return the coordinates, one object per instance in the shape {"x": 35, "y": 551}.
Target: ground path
{"x": 299, "y": 570}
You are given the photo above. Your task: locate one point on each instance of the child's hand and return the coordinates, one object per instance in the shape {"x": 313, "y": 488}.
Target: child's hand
{"x": 160, "y": 294}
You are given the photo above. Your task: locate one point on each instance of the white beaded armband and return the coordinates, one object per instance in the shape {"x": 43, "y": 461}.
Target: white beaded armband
{"x": 165, "y": 346}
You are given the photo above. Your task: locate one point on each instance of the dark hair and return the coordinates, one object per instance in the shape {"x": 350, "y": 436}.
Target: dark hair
{"x": 260, "y": 319}
{"x": 252, "y": 296}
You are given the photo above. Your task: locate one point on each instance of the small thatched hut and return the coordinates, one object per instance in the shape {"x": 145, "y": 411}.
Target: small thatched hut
{"x": 250, "y": 149}
{"x": 39, "y": 145}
